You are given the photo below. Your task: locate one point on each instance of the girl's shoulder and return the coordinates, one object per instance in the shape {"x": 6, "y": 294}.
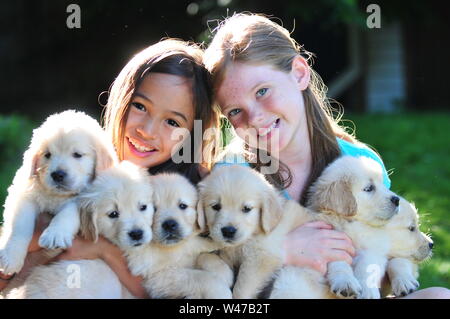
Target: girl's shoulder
{"x": 361, "y": 149}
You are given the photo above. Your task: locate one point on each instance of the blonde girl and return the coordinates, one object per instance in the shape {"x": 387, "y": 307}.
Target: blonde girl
{"x": 265, "y": 86}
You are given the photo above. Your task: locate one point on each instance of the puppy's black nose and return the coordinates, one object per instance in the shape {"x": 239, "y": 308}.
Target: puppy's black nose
{"x": 58, "y": 176}
{"x": 170, "y": 225}
{"x": 228, "y": 232}
{"x": 395, "y": 200}
{"x": 431, "y": 245}
{"x": 136, "y": 234}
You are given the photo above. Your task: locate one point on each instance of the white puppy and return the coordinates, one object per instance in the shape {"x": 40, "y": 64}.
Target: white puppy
{"x": 65, "y": 154}
{"x": 118, "y": 205}
{"x": 169, "y": 263}
{"x": 351, "y": 196}
{"x": 249, "y": 217}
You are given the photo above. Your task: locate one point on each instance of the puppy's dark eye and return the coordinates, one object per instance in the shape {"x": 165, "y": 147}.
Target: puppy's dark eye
{"x": 48, "y": 155}
{"x": 155, "y": 208}
{"x": 217, "y": 207}
{"x": 183, "y": 206}
{"x": 412, "y": 228}
{"x": 142, "y": 208}
{"x": 247, "y": 209}
{"x": 113, "y": 214}
{"x": 77, "y": 155}
{"x": 369, "y": 188}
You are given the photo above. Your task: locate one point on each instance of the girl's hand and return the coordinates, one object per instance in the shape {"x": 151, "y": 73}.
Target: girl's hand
{"x": 315, "y": 244}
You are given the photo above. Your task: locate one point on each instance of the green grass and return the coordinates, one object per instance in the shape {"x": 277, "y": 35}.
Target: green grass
{"x": 15, "y": 135}
{"x": 416, "y": 147}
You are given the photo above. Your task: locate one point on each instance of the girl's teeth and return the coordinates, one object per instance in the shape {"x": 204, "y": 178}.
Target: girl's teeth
{"x": 270, "y": 128}
{"x": 141, "y": 148}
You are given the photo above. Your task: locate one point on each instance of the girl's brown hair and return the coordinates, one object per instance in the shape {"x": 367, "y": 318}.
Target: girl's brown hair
{"x": 175, "y": 57}
{"x": 254, "y": 38}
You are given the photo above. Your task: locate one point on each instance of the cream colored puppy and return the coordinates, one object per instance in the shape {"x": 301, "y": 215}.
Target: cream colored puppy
{"x": 247, "y": 216}
{"x": 65, "y": 154}
{"x": 118, "y": 205}
{"x": 169, "y": 263}
{"x": 351, "y": 196}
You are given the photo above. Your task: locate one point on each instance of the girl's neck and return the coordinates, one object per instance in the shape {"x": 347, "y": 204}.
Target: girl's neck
{"x": 297, "y": 156}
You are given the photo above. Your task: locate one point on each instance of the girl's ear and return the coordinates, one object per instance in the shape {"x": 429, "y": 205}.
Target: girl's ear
{"x": 301, "y": 71}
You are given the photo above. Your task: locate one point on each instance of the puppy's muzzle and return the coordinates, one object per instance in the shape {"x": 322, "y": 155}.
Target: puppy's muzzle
{"x": 395, "y": 200}
{"x": 136, "y": 235}
{"x": 228, "y": 232}
{"x": 58, "y": 176}
{"x": 170, "y": 226}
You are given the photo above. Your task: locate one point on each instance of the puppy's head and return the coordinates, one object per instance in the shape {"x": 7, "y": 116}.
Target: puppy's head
{"x": 238, "y": 203}
{"x": 118, "y": 205}
{"x": 407, "y": 239}
{"x": 67, "y": 151}
{"x": 353, "y": 187}
{"x": 175, "y": 217}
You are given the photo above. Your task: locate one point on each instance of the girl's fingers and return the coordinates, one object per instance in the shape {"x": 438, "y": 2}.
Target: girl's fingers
{"x": 340, "y": 244}
{"x": 340, "y": 255}
{"x": 318, "y": 224}
{"x": 334, "y": 234}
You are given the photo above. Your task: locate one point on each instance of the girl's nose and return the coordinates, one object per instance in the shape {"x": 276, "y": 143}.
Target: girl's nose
{"x": 255, "y": 116}
{"x": 147, "y": 130}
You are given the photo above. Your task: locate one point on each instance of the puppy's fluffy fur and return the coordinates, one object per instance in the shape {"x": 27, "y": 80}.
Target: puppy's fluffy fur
{"x": 246, "y": 215}
{"x": 351, "y": 196}
{"x": 169, "y": 263}
{"x": 64, "y": 155}
{"x": 118, "y": 205}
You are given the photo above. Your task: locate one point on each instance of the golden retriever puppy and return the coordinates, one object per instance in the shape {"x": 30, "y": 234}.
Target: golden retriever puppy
{"x": 65, "y": 154}
{"x": 169, "y": 263}
{"x": 248, "y": 217}
{"x": 117, "y": 205}
{"x": 351, "y": 196}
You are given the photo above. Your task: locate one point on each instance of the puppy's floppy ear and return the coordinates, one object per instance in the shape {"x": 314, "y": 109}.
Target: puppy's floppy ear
{"x": 335, "y": 197}
{"x": 271, "y": 210}
{"x": 88, "y": 218}
{"x": 30, "y": 159}
{"x": 201, "y": 218}
{"x": 105, "y": 154}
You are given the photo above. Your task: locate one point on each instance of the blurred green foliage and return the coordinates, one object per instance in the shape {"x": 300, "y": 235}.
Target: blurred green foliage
{"x": 15, "y": 135}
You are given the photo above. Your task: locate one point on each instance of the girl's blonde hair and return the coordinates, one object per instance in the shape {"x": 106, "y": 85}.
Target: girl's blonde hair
{"x": 255, "y": 39}
{"x": 175, "y": 57}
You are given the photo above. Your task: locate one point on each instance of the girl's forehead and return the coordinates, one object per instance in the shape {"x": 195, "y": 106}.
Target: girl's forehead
{"x": 242, "y": 78}
{"x": 167, "y": 91}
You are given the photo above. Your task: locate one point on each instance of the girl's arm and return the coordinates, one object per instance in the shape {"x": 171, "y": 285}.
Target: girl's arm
{"x": 112, "y": 256}
{"x": 315, "y": 244}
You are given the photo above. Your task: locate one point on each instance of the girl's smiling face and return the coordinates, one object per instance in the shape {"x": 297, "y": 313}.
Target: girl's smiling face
{"x": 161, "y": 104}
{"x": 265, "y": 105}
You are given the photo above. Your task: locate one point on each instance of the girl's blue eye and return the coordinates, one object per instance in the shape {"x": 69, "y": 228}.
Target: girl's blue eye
{"x": 261, "y": 92}
{"x": 172, "y": 123}
{"x": 139, "y": 106}
{"x": 234, "y": 112}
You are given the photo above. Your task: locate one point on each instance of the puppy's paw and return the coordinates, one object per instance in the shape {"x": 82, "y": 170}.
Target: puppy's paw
{"x": 11, "y": 261}
{"x": 369, "y": 293}
{"x": 345, "y": 286}
{"x": 404, "y": 285}
{"x": 53, "y": 238}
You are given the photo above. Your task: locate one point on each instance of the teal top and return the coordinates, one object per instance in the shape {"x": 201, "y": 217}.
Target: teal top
{"x": 347, "y": 148}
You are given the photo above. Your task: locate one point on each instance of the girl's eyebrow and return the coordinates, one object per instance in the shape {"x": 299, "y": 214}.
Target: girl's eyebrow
{"x": 143, "y": 96}
{"x": 171, "y": 111}
{"x": 180, "y": 115}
